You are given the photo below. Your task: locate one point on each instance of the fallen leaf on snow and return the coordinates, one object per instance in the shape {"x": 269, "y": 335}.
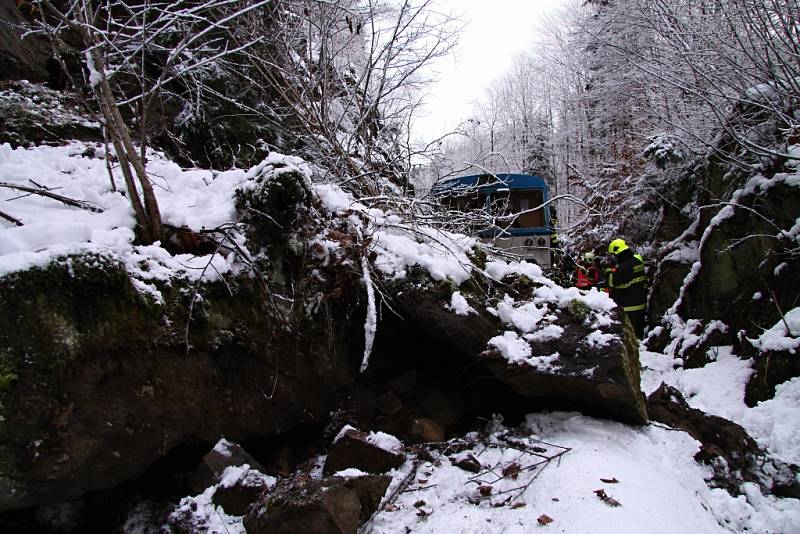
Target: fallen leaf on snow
{"x": 511, "y": 470}
{"x": 544, "y": 519}
{"x": 518, "y": 505}
{"x": 610, "y": 480}
{"x": 603, "y": 496}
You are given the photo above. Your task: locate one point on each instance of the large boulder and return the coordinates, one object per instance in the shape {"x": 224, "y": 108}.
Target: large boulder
{"x": 582, "y": 366}
{"x": 99, "y": 381}
{"x": 725, "y": 446}
{"x": 335, "y": 505}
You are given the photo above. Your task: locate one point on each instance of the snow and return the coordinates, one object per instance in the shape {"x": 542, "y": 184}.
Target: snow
{"x": 686, "y": 252}
{"x": 525, "y": 317}
{"x": 385, "y": 441}
{"x": 443, "y": 256}
{"x": 400, "y": 245}
{"x": 657, "y": 485}
{"x": 205, "y": 516}
{"x": 381, "y": 440}
{"x": 333, "y": 198}
{"x": 778, "y": 338}
{"x": 94, "y": 76}
{"x": 459, "y": 305}
{"x": 343, "y": 431}
{"x": 517, "y": 350}
{"x": 599, "y": 339}
{"x": 371, "y": 323}
{"x": 551, "y": 331}
{"x": 511, "y": 346}
{"x": 718, "y": 389}
{"x": 351, "y": 472}
{"x": 794, "y": 157}
{"x": 196, "y": 198}
{"x": 244, "y": 475}
{"x": 223, "y": 447}
{"x": 660, "y": 486}
{"x": 498, "y": 270}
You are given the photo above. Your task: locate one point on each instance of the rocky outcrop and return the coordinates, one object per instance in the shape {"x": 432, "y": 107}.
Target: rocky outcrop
{"x": 21, "y": 59}
{"x": 744, "y": 277}
{"x": 103, "y": 373}
{"x": 98, "y": 381}
{"x": 34, "y": 114}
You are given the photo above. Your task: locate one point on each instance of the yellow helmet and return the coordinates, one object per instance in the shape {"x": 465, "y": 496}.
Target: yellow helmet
{"x": 617, "y": 246}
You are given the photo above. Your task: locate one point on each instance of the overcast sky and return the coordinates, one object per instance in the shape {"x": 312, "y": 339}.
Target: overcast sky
{"x": 496, "y": 31}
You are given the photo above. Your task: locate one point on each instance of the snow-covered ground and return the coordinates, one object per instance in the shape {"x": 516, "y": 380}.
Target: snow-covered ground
{"x": 649, "y": 471}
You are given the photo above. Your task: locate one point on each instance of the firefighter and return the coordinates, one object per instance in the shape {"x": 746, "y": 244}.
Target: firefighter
{"x": 554, "y": 241}
{"x": 628, "y": 284}
{"x": 587, "y": 275}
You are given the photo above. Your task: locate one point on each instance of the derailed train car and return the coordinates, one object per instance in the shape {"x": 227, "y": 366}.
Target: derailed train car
{"x": 511, "y": 210}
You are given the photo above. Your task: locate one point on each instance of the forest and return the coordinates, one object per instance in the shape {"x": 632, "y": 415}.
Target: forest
{"x": 234, "y": 298}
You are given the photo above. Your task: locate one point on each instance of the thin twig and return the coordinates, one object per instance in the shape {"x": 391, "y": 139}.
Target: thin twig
{"x": 46, "y": 193}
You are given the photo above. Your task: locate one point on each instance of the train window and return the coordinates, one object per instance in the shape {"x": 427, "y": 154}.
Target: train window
{"x": 521, "y": 201}
{"x": 465, "y": 202}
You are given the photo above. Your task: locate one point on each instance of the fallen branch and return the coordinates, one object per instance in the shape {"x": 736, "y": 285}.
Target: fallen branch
{"x": 49, "y": 194}
{"x": 9, "y": 218}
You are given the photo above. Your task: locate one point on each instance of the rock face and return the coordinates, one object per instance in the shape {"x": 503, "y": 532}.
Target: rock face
{"x": 744, "y": 277}
{"x": 97, "y": 382}
{"x": 739, "y": 275}
{"x": 331, "y": 506}
{"x": 22, "y": 59}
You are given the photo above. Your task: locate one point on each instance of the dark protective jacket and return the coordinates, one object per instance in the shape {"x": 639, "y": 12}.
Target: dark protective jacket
{"x": 628, "y": 282}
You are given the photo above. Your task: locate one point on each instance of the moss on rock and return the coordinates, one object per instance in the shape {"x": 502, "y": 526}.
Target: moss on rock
{"x": 578, "y": 309}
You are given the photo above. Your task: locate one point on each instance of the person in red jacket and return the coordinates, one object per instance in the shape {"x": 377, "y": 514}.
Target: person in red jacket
{"x": 587, "y": 275}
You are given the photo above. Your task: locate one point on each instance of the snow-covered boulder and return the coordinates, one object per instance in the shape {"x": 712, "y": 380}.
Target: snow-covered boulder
{"x": 775, "y": 352}
{"x": 223, "y": 455}
{"x": 549, "y": 346}
{"x": 373, "y": 452}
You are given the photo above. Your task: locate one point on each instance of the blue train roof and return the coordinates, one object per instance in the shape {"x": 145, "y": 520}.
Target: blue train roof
{"x": 486, "y": 183}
